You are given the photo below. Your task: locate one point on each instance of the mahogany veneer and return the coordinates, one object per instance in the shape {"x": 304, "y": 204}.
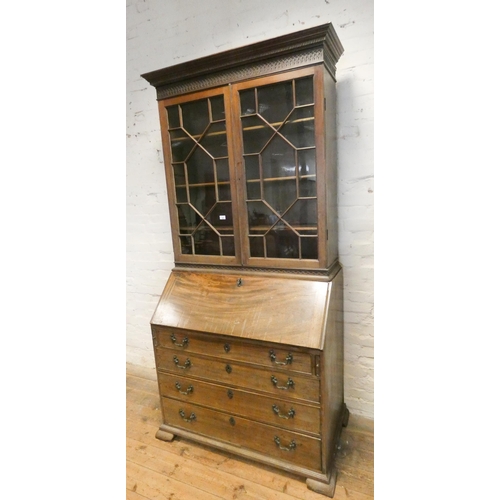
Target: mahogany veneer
{"x": 237, "y": 376}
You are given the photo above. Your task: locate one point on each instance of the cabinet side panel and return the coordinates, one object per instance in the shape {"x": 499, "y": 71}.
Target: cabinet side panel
{"x": 331, "y": 167}
{"x": 333, "y": 371}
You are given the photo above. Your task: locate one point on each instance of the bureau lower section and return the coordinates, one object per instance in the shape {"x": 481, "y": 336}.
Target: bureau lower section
{"x": 242, "y": 385}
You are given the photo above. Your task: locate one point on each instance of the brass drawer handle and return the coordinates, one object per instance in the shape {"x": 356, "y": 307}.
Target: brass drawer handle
{"x": 290, "y": 447}
{"x": 290, "y": 414}
{"x": 188, "y": 419}
{"x": 289, "y": 384}
{"x": 189, "y": 390}
{"x": 187, "y": 363}
{"x": 185, "y": 341}
{"x": 288, "y": 359}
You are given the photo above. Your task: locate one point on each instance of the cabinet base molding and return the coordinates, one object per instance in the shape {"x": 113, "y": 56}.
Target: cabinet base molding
{"x": 323, "y": 484}
{"x": 318, "y": 480}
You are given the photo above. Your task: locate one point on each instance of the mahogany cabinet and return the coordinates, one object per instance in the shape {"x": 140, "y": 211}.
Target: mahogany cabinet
{"x": 248, "y": 334}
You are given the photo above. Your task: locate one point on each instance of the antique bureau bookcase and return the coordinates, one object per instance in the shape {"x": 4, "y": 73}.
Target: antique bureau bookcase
{"x": 248, "y": 333}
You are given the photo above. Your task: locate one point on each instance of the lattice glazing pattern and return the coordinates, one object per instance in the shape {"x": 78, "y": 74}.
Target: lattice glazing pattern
{"x": 200, "y": 165}
{"x": 280, "y": 169}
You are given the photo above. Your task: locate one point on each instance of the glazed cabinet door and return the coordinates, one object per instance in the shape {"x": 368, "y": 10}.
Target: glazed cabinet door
{"x": 199, "y": 162}
{"x": 245, "y": 169}
{"x": 279, "y": 143}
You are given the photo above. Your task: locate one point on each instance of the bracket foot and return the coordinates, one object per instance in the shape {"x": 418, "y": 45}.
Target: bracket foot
{"x": 164, "y": 435}
{"x": 327, "y": 489}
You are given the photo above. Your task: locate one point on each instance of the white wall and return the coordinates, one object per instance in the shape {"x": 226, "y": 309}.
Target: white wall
{"x": 162, "y": 33}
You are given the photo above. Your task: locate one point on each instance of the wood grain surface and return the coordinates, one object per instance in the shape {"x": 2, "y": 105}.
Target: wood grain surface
{"x": 281, "y": 310}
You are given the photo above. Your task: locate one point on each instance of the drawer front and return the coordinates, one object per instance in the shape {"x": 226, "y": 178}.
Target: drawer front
{"x": 274, "y": 411}
{"x": 280, "y": 384}
{"x": 234, "y": 349}
{"x": 273, "y": 442}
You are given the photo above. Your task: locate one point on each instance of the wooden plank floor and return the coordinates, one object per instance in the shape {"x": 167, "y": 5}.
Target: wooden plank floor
{"x": 183, "y": 470}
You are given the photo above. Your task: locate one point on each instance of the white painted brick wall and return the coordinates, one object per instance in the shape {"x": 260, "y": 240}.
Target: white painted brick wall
{"x": 160, "y": 34}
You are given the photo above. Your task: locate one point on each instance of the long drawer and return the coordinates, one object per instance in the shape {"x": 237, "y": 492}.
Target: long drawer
{"x": 289, "y": 359}
{"x": 271, "y": 441}
{"x": 294, "y": 386}
{"x": 270, "y": 410}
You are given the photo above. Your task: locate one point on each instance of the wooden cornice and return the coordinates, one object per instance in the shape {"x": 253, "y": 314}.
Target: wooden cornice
{"x": 319, "y": 44}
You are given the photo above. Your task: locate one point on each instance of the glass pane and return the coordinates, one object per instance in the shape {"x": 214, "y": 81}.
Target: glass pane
{"x": 252, "y": 170}
{"x": 195, "y": 116}
{"x": 253, "y": 190}
{"x": 307, "y": 187}
{"x": 215, "y": 141}
{"x": 302, "y": 215}
{"x": 222, "y": 170}
{"x": 299, "y": 128}
{"x": 179, "y": 174}
{"x": 227, "y": 245}
{"x": 278, "y": 159}
{"x": 304, "y": 92}
{"x": 247, "y": 102}
{"x": 224, "y": 191}
{"x": 280, "y": 194}
{"x": 260, "y": 217}
{"x": 173, "y": 117}
{"x": 217, "y": 105}
{"x": 282, "y": 244}
{"x": 307, "y": 162}
{"x": 188, "y": 219}
{"x": 181, "y": 194}
{"x": 256, "y": 246}
{"x": 206, "y": 241}
{"x": 275, "y": 101}
{"x": 223, "y": 187}
{"x": 202, "y": 198}
{"x": 186, "y": 244}
{"x": 256, "y": 134}
{"x": 200, "y": 167}
{"x": 307, "y": 172}
{"x": 221, "y": 217}
{"x": 309, "y": 248}
{"x": 181, "y": 145}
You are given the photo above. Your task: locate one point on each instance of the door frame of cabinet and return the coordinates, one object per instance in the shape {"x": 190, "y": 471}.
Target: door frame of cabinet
{"x": 262, "y": 262}
{"x": 169, "y": 174}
